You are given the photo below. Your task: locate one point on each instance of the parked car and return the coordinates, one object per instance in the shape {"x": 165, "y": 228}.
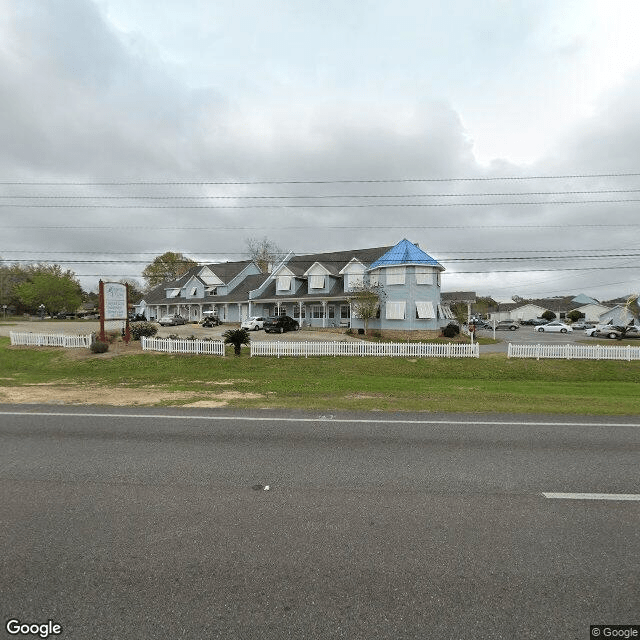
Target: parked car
{"x": 172, "y": 320}
{"x": 582, "y": 325}
{"x": 616, "y": 332}
{"x": 506, "y": 325}
{"x": 210, "y": 321}
{"x": 555, "y": 326}
{"x": 253, "y": 324}
{"x": 534, "y": 321}
{"x": 280, "y": 324}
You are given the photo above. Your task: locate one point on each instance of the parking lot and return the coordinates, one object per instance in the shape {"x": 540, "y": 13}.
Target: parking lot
{"x": 523, "y": 335}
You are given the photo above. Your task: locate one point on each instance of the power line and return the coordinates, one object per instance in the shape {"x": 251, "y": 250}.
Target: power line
{"x": 326, "y": 181}
{"x": 322, "y": 206}
{"x": 395, "y": 226}
{"x": 319, "y": 196}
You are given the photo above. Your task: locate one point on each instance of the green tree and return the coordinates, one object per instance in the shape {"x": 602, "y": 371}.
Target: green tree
{"x": 166, "y": 267}
{"x": 575, "y": 315}
{"x": 56, "y": 292}
{"x": 548, "y": 315}
{"x": 236, "y": 337}
{"x": 365, "y": 301}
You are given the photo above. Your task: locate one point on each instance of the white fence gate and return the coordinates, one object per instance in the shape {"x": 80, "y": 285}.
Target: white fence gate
{"x": 168, "y": 345}
{"x": 574, "y": 351}
{"x": 49, "y": 340}
{"x": 388, "y": 349}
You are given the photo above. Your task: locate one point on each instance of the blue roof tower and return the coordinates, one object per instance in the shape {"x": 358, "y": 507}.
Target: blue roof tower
{"x": 405, "y": 252}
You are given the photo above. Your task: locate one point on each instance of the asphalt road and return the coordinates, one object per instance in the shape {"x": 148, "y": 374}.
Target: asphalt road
{"x": 154, "y": 524}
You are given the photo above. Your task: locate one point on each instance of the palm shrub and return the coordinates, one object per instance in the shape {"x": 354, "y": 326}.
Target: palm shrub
{"x": 236, "y": 337}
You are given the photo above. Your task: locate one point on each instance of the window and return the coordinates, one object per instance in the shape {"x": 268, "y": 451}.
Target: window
{"x": 395, "y": 275}
{"x": 331, "y": 311}
{"x": 424, "y": 275}
{"x": 425, "y": 310}
{"x": 344, "y": 312}
{"x": 194, "y": 291}
{"x": 284, "y": 283}
{"x": 316, "y": 282}
{"x": 374, "y": 279}
{"x": 395, "y": 310}
{"x": 353, "y": 280}
{"x": 317, "y": 311}
{"x": 438, "y": 278}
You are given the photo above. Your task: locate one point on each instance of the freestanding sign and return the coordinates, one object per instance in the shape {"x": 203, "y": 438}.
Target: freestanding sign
{"x": 114, "y": 305}
{"x": 115, "y": 301}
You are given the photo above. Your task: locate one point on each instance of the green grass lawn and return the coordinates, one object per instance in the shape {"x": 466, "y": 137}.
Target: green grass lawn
{"x": 491, "y": 383}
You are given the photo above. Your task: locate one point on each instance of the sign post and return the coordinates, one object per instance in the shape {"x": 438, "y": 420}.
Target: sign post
{"x": 114, "y": 305}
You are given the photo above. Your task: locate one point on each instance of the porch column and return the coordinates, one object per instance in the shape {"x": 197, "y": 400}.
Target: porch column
{"x": 324, "y": 313}
{"x": 240, "y": 312}
{"x": 300, "y": 305}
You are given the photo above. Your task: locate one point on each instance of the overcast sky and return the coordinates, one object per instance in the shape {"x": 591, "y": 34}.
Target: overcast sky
{"x": 342, "y": 124}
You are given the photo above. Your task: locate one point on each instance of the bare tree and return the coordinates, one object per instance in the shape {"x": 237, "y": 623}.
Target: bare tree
{"x": 263, "y": 252}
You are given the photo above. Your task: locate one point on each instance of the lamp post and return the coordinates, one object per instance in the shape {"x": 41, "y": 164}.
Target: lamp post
{"x": 4, "y": 311}
{"x": 41, "y": 309}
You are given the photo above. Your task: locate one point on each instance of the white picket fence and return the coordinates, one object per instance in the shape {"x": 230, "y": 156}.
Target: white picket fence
{"x": 48, "y": 340}
{"x": 208, "y": 347}
{"x": 388, "y": 349}
{"x": 574, "y": 351}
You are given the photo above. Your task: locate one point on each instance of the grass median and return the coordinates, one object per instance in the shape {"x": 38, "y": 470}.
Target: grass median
{"x": 492, "y": 383}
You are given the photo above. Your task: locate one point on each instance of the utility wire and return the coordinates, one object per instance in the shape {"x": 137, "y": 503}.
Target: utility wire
{"x": 326, "y": 181}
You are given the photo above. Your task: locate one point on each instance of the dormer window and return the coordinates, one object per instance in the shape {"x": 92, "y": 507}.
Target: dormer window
{"x": 284, "y": 283}
{"x": 316, "y": 282}
{"x": 194, "y": 291}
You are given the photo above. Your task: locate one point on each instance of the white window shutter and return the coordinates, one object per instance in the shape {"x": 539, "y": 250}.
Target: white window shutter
{"x": 395, "y": 275}
{"x": 316, "y": 282}
{"x": 425, "y": 310}
{"x": 395, "y": 310}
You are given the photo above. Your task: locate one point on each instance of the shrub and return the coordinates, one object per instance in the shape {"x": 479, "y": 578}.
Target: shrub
{"x": 236, "y": 337}
{"x": 139, "y": 329}
{"x": 451, "y": 330}
{"x": 97, "y": 346}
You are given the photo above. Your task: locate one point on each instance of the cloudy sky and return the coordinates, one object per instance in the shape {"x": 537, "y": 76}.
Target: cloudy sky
{"x": 502, "y": 136}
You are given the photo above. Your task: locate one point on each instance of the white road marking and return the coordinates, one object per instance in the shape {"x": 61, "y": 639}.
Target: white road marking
{"x": 593, "y": 496}
{"x": 320, "y": 418}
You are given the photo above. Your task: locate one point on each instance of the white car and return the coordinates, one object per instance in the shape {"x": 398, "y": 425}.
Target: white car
{"x": 253, "y": 324}
{"x": 555, "y": 326}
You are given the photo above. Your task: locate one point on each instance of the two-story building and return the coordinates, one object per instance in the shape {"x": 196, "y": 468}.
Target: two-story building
{"x": 316, "y": 289}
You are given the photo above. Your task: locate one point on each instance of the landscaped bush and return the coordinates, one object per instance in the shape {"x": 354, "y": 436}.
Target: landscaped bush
{"x": 451, "y": 330}
{"x": 139, "y": 329}
{"x": 97, "y": 346}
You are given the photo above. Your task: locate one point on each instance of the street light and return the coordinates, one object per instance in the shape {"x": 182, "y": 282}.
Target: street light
{"x": 41, "y": 308}
{"x": 4, "y": 310}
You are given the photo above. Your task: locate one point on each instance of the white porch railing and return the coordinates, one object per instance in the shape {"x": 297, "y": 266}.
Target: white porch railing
{"x": 388, "y": 349}
{"x": 574, "y": 351}
{"x": 48, "y": 340}
{"x": 168, "y": 345}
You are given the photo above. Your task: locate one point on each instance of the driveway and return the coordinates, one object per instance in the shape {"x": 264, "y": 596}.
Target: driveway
{"x": 72, "y": 327}
{"x": 526, "y": 335}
